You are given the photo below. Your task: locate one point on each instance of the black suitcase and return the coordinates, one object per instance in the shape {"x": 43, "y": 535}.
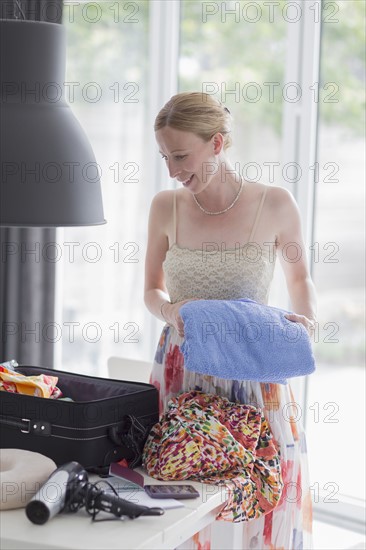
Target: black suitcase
{"x": 108, "y": 420}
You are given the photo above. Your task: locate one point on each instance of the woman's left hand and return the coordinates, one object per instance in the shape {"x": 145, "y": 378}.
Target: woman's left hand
{"x": 308, "y": 323}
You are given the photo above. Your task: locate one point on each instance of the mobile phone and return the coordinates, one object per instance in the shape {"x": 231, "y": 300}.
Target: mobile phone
{"x": 171, "y": 491}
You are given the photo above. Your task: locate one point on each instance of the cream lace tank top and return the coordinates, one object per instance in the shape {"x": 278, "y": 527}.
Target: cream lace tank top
{"x": 215, "y": 272}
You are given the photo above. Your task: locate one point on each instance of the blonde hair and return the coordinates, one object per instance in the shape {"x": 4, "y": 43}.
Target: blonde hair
{"x": 196, "y": 112}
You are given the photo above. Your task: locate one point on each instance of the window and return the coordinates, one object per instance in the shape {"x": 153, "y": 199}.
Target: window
{"x": 336, "y": 399}
{"x": 103, "y": 312}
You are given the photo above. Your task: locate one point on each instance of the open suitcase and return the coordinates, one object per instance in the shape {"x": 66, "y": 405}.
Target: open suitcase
{"x": 106, "y": 421}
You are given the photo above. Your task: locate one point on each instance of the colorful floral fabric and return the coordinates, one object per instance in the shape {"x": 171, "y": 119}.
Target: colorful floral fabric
{"x": 41, "y": 385}
{"x": 207, "y": 438}
{"x": 289, "y": 525}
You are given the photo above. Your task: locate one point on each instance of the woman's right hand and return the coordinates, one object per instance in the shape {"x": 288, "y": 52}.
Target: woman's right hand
{"x": 171, "y": 313}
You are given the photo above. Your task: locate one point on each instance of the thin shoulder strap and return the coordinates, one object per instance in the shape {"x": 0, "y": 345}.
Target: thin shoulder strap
{"x": 174, "y": 216}
{"x": 258, "y": 215}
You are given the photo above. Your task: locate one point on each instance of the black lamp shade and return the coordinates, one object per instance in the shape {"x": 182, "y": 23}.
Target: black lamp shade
{"x": 49, "y": 174}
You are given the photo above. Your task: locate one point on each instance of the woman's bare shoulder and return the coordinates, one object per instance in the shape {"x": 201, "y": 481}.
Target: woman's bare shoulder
{"x": 279, "y": 202}
{"x": 272, "y": 191}
{"x": 162, "y": 198}
{"x": 162, "y": 205}
{"x": 278, "y": 197}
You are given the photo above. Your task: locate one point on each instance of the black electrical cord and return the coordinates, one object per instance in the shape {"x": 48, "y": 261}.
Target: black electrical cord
{"x": 95, "y": 500}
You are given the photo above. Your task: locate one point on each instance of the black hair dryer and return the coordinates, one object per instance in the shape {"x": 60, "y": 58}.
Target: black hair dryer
{"x": 68, "y": 489}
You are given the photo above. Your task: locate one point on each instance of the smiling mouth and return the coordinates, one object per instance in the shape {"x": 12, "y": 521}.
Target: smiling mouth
{"x": 188, "y": 181}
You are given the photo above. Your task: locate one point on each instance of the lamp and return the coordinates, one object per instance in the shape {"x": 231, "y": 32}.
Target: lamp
{"x": 49, "y": 175}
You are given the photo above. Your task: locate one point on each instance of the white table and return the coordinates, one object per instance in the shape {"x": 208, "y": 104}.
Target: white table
{"x": 71, "y": 531}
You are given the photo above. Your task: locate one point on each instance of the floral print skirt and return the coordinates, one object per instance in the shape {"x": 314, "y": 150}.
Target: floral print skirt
{"x": 289, "y": 525}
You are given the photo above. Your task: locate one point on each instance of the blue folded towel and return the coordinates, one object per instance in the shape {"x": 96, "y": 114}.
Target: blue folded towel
{"x": 244, "y": 340}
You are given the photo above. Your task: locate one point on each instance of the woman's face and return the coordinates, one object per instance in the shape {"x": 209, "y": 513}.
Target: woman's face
{"x": 189, "y": 159}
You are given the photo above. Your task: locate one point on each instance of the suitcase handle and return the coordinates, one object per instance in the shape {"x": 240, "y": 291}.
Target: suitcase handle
{"x": 27, "y": 426}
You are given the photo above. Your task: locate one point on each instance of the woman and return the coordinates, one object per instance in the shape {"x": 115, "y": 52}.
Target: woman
{"x": 198, "y": 248}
